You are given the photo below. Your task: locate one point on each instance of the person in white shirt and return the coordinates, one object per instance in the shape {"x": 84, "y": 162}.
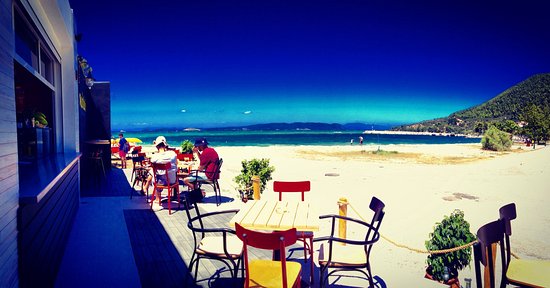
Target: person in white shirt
{"x": 163, "y": 156}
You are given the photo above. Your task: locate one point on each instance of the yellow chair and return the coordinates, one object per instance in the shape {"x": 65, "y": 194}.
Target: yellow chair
{"x": 522, "y": 272}
{"x": 269, "y": 273}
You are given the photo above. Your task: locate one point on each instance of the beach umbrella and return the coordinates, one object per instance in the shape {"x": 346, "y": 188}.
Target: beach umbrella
{"x": 130, "y": 139}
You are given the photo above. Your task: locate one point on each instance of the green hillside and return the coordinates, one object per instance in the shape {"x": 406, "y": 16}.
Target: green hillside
{"x": 506, "y": 106}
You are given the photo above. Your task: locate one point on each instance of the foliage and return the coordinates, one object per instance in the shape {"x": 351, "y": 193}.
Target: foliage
{"x": 538, "y": 123}
{"x": 496, "y": 140}
{"x": 507, "y": 106}
{"x": 452, "y": 232}
{"x": 187, "y": 147}
{"x": 254, "y": 167}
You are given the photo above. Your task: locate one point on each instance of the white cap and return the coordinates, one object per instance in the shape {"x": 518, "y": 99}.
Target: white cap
{"x": 159, "y": 140}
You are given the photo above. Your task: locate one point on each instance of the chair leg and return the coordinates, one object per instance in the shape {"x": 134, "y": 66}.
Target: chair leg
{"x": 169, "y": 200}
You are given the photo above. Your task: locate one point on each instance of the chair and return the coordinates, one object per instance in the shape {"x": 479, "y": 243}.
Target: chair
{"x": 214, "y": 243}
{"x": 303, "y": 236}
{"x": 139, "y": 172}
{"x": 522, "y": 272}
{"x": 163, "y": 169}
{"x": 269, "y": 273}
{"x": 185, "y": 157}
{"x": 342, "y": 254}
{"x": 212, "y": 182}
{"x": 487, "y": 235}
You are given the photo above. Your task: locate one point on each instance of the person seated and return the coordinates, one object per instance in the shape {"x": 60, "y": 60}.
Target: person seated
{"x": 164, "y": 155}
{"x": 208, "y": 157}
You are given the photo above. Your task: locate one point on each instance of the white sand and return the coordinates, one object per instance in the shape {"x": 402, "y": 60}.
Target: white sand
{"x": 416, "y": 195}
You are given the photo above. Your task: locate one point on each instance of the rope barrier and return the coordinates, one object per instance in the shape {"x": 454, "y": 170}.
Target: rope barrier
{"x": 415, "y": 249}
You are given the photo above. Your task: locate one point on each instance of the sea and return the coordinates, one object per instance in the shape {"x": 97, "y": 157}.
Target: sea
{"x": 293, "y": 138}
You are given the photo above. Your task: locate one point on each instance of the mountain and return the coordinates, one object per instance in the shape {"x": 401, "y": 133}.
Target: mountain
{"x": 508, "y": 105}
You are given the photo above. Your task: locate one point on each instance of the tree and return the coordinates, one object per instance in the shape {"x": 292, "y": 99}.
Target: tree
{"x": 538, "y": 124}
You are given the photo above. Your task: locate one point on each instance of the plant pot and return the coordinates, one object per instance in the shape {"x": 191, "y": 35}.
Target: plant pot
{"x": 453, "y": 282}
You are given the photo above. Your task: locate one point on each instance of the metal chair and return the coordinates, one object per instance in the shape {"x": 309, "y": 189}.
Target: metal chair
{"x": 215, "y": 243}
{"x": 269, "y": 273}
{"x": 303, "y": 236}
{"x": 522, "y": 272}
{"x": 139, "y": 172}
{"x": 342, "y": 254}
{"x": 487, "y": 235}
{"x": 212, "y": 181}
{"x": 162, "y": 169}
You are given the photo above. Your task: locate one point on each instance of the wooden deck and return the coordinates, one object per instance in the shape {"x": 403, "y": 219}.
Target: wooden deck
{"x": 162, "y": 244}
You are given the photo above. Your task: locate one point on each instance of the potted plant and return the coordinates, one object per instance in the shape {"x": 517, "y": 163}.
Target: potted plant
{"x": 452, "y": 232}
{"x": 187, "y": 149}
{"x": 254, "y": 167}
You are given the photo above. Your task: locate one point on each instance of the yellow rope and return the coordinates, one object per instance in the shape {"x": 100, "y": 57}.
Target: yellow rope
{"x": 415, "y": 249}
{"x": 423, "y": 250}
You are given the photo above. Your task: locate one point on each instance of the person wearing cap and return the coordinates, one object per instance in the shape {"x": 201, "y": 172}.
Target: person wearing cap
{"x": 208, "y": 158}
{"x": 164, "y": 155}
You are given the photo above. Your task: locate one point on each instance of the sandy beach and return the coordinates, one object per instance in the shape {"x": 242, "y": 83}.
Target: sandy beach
{"x": 419, "y": 185}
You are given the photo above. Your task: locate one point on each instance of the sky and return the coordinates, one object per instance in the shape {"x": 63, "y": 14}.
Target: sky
{"x": 226, "y": 63}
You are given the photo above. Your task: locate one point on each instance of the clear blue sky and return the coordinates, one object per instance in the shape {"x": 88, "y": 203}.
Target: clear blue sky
{"x": 224, "y": 63}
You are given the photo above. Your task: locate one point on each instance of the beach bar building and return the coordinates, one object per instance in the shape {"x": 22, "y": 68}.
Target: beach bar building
{"x": 39, "y": 139}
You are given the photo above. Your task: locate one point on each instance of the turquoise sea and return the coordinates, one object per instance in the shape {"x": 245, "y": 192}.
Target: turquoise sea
{"x": 269, "y": 138}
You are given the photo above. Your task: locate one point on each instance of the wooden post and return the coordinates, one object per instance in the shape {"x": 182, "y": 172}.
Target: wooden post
{"x": 342, "y": 211}
{"x": 256, "y": 187}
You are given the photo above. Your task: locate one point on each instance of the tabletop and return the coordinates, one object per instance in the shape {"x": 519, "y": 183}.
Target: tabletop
{"x": 277, "y": 215}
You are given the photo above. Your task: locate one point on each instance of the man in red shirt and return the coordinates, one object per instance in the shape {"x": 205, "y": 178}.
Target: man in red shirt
{"x": 207, "y": 166}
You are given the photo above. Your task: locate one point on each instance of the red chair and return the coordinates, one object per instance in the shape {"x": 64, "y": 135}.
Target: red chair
{"x": 269, "y": 273}
{"x": 303, "y": 236}
{"x": 162, "y": 169}
{"x": 185, "y": 157}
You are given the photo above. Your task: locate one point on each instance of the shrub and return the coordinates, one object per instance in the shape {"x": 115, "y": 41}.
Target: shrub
{"x": 187, "y": 147}
{"x": 496, "y": 140}
{"x": 452, "y": 232}
{"x": 254, "y": 167}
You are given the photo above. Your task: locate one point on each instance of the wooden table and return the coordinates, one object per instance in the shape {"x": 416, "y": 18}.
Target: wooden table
{"x": 277, "y": 215}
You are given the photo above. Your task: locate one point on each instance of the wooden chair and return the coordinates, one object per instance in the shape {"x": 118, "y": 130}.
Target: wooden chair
{"x": 342, "y": 254}
{"x": 269, "y": 273}
{"x": 487, "y": 235}
{"x": 163, "y": 169}
{"x": 522, "y": 272}
{"x": 212, "y": 182}
{"x": 215, "y": 243}
{"x": 303, "y": 236}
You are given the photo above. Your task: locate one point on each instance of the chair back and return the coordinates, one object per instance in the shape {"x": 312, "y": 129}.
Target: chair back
{"x": 114, "y": 149}
{"x": 507, "y": 214}
{"x": 487, "y": 235}
{"x": 377, "y": 206}
{"x": 185, "y": 157}
{"x": 159, "y": 167}
{"x": 216, "y": 173}
{"x": 276, "y": 240}
{"x": 294, "y": 186}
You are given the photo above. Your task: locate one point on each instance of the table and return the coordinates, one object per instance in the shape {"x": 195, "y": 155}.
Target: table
{"x": 277, "y": 215}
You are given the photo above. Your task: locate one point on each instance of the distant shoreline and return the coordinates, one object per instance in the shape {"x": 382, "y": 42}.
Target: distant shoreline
{"x": 392, "y": 132}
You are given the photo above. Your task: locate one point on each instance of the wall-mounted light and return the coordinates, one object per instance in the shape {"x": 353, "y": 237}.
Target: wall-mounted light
{"x": 89, "y": 82}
